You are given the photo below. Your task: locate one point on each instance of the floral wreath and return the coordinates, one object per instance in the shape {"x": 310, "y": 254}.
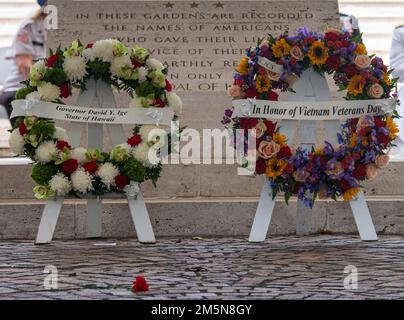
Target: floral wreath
{"x": 328, "y": 171}
{"x": 59, "y": 169}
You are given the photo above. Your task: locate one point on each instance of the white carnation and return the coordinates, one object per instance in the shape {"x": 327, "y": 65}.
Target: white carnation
{"x": 107, "y": 172}
{"x": 157, "y": 137}
{"x": 60, "y": 184}
{"x": 145, "y": 131}
{"x": 146, "y": 155}
{"x": 75, "y": 68}
{"x": 104, "y": 49}
{"x": 60, "y": 134}
{"x": 154, "y": 64}
{"x": 175, "y": 102}
{"x": 119, "y": 63}
{"x": 82, "y": 181}
{"x": 33, "y": 96}
{"x": 45, "y": 151}
{"x": 48, "y": 91}
{"x": 79, "y": 154}
{"x": 16, "y": 142}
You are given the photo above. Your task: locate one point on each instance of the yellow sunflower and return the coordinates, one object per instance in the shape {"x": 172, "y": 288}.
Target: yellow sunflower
{"x": 318, "y": 53}
{"x": 275, "y": 167}
{"x": 319, "y": 151}
{"x": 350, "y": 194}
{"x": 280, "y": 48}
{"x": 243, "y": 66}
{"x": 355, "y": 85}
{"x": 393, "y": 129}
{"x": 279, "y": 139}
{"x": 386, "y": 78}
{"x": 353, "y": 140}
{"x": 360, "y": 49}
{"x": 262, "y": 83}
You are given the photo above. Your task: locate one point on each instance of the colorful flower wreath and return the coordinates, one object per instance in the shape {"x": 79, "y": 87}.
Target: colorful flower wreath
{"x": 62, "y": 170}
{"x": 328, "y": 171}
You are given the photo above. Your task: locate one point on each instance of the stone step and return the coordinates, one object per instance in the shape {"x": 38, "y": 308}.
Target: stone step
{"x": 191, "y": 181}
{"x": 198, "y": 217}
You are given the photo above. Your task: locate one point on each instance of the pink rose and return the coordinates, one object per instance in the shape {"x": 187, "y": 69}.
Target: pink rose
{"x": 371, "y": 171}
{"x": 382, "y": 161}
{"x": 362, "y": 61}
{"x": 267, "y": 150}
{"x": 273, "y": 75}
{"x": 291, "y": 79}
{"x": 235, "y": 92}
{"x": 301, "y": 175}
{"x": 375, "y": 91}
{"x": 365, "y": 121}
{"x": 296, "y": 53}
{"x": 260, "y": 129}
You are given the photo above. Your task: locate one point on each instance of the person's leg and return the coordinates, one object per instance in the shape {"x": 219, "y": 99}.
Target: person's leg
{"x": 5, "y": 100}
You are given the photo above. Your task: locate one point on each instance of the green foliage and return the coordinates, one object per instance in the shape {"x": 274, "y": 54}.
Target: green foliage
{"x": 42, "y": 173}
{"x": 99, "y": 68}
{"x": 23, "y": 92}
{"x": 134, "y": 170}
{"x": 154, "y": 173}
{"x": 145, "y": 89}
{"x": 55, "y": 76}
{"x": 43, "y": 129}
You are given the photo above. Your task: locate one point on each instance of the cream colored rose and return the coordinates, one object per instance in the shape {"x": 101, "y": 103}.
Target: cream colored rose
{"x": 362, "y": 61}
{"x": 371, "y": 171}
{"x": 235, "y": 92}
{"x": 365, "y": 121}
{"x": 333, "y": 30}
{"x": 382, "y": 161}
{"x": 375, "y": 91}
{"x": 273, "y": 75}
{"x": 267, "y": 150}
{"x": 297, "y": 53}
{"x": 260, "y": 129}
{"x": 301, "y": 175}
{"x": 291, "y": 79}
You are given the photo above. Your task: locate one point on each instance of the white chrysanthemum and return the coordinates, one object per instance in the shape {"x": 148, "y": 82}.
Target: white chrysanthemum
{"x": 107, "y": 172}
{"x": 142, "y": 74}
{"x": 146, "y": 155}
{"x": 157, "y": 137}
{"x": 40, "y": 64}
{"x": 33, "y": 96}
{"x": 79, "y": 154}
{"x": 119, "y": 63}
{"x": 82, "y": 181}
{"x": 145, "y": 130}
{"x": 45, "y": 151}
{"x": 60, "y": 134}
{"x": 48, "y": 91}
{"x": 104, "y": 49}
{"x": 60, "y": 184}
{"x": 16, "y": 142}
{"x": 75, "y": 68}
{"x": 154, "y": 64}
{"x": 175, "y": 102}
{"x": 88, "y": 54}
{"x": 136, "y": 102}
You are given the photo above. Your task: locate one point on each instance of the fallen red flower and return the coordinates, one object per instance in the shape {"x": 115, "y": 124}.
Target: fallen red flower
{"x": 140, "y": 285}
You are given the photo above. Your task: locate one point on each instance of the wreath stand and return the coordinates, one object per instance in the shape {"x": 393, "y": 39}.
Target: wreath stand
{"x": 310, "y": 87}
{"x": 98, "y": 94}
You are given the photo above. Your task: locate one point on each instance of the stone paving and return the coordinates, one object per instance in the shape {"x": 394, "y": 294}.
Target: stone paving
{"x": 280, "y": 268}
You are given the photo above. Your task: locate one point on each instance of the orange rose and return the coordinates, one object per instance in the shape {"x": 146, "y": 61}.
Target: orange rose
{"x": 297, "y": 53}
{"x": 382, "y": 161}
{"x": 267, "y": 150}
{"x": 375, "y": 91}
{"x": 362, "y": 61}
{"x": 371, "y": 171}
{"x": 235, "y": 92}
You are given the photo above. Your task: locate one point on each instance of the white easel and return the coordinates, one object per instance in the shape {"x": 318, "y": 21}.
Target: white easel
{"x": 310, "y": 87}
{"x": 98, "y": 94}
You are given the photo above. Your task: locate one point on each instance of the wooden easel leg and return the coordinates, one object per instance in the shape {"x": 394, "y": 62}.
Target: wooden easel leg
{"x": 141, "y": 219}
{"x": 49, "y": 219}
{"x": 263, "y": 215}
{"x": 94, "y": 218}
{"x": 363, "y": 218}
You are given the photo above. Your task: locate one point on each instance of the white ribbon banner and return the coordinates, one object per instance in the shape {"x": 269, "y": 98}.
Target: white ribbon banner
{"x": 49, "y": 110}
{"x": 269, "y": 65}
{"x": 311, "y": 110}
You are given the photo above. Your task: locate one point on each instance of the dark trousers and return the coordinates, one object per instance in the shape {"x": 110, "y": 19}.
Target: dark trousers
{"x": 5, "y": 100}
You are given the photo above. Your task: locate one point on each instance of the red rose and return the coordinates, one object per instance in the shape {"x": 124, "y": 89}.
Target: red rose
{"x": 136, "y": 64}
{"x": 52, "y": 60}
{"x": 382, "y": 138}
{"x": 289, "y": 169}
{"x": 64, "y": 90}
{"x": 333, "y": 62}
{"x": 345, "y": 43}
{"x": 360, "y": 171}
{"x": 284, "y": 152}
{"x": 272, "y": 95}
{"x": 248, "y": 123}
{"x": 296, "y": 187}
{"x": 134, "y": 140}
{"x": 159, "y": 103}
{"x": 91, "y": 167}
{"x": 239, "y": 82}
{"x": 121, "y": 181}
{"x": 60, "y": 144}
{"x": 344, "y": 185}
{"x": 379, "y": 123}
{"x": 356, "y": 156}
{"x": 331, "y": 36}
{"x": 140, "y": 285}
{"x": 70, "y": 166}
{"x": 22, "y": 128}
{"x": 260, "y": 166}
{"x": 310, "y": 166}
{"x": 251, "y": 93}
{"x": 346, "y": 162}
{"x": 350, "y": 70}
{"x": 169, "y": 87}
{"x": 270, "y": 126}
{"x": 89, "y": 45}
{"x": 323, "y": 160}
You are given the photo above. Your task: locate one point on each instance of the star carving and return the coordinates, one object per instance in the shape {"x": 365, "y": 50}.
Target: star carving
{"x": 169, "y": 5}
{"x": 194, "y": 5}
{"x": 218, "y": 5}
